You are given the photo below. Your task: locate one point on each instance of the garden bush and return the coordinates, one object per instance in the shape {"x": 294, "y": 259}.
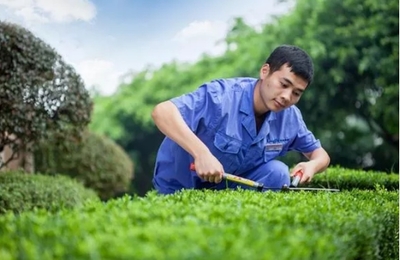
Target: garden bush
{"x": 20, "y": 192}
{"x": 40, "y": 94}
{"x": 97, "y": 161}
{"x": 240, "y": 224}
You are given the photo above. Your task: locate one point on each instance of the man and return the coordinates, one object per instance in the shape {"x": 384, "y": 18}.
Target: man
{"x": 239, "y": 126}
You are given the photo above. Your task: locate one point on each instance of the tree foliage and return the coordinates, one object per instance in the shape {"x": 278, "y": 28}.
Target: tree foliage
{"x": 352, "y": 106}
{"x": 39, "y": 92}
{"x": 356, "y": 57}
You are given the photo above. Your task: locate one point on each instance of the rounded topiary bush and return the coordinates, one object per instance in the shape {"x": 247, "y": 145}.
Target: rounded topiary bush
{"x": 21, "y": 192}
{"x": 39, "y": 92}
{"x": 96, "y": 160}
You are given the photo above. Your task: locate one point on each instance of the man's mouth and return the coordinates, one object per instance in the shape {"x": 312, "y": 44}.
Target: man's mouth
{"x": 279, "y": 104}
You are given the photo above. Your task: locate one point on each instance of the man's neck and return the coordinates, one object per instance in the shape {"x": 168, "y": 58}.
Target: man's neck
{"x": 260, "y": 121}
{"x": 259, "y": 108}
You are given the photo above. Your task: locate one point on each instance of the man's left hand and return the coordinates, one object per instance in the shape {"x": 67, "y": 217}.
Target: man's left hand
{"x": 308, "y": 169}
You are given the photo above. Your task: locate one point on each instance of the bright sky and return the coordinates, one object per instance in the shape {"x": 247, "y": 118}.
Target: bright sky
{"x": 106, "y": 39}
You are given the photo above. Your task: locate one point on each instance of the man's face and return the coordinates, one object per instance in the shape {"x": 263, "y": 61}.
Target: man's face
{"x": 281, "y": 89}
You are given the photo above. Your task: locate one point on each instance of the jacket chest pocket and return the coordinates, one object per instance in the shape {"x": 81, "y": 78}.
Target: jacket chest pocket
{"x": 228, "y": 151}
{"x": 270, "y": 155}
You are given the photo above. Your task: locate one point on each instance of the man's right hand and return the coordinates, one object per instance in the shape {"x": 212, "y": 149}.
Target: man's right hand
{"x": 209, "y": 168}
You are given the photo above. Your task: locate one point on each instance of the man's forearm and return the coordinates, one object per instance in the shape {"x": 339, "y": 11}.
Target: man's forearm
{"x": 168, "y": 120}
{"x": 320, "y": 158}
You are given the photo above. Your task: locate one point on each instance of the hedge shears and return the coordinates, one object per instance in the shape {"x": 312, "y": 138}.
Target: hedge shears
{"x": 260, "y": 187}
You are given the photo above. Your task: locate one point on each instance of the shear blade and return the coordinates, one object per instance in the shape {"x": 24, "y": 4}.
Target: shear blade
{"x": 287, "y": 188}
{"x": 309, "y": 189}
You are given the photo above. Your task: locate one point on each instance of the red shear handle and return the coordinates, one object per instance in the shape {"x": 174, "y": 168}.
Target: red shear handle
{"x": 297, "y": 177}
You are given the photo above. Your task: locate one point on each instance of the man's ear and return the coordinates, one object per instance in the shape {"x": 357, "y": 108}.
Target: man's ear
{"x": 264, "y": 71}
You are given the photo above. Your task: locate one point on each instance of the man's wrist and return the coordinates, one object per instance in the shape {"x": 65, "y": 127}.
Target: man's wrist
{"x": 318, "y": 165}
{"x": 200, "y": 151}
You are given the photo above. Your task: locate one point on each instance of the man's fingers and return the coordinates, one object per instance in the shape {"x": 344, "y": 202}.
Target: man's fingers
{"x": 211, "y": 176}
{"x": 204, "y": 176}
{"x": 216, "y": 177}
{"x": 207, "y": 177}
{"x": 295, "y": 170}
{"x": 305, "y": 179}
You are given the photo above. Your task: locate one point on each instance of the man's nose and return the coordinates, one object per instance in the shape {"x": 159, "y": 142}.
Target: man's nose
{"x": 286, "y": 95}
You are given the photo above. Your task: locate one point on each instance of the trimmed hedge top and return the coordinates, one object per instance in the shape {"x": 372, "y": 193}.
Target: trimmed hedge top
{"x": 213, "y": 225}
{"x": 336, "y": 177}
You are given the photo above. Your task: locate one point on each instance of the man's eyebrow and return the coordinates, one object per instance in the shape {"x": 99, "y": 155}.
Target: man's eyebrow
{"x": 290, "y": 82}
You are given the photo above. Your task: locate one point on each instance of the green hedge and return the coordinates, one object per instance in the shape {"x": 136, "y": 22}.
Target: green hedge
{"x": 213, "y": 225}
{"x": 336, "y": 177}
{"x": 97, "y": 161}
{"x": 20, "y": 192}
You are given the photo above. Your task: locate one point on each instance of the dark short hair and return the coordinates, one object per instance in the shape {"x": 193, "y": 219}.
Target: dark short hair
{"x": 296, "y": 58}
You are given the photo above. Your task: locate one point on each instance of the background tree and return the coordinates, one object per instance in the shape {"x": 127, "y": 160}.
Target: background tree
{"x": 353, "y": 103}
{"x": 39, "y": 93}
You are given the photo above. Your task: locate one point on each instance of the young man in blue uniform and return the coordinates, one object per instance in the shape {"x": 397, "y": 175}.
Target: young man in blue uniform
{"x": 239, "y": 126}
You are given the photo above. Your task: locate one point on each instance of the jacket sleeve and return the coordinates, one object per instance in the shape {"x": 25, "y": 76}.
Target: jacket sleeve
{"x": 201, "y": 106}
{"x": 304, "y": 141}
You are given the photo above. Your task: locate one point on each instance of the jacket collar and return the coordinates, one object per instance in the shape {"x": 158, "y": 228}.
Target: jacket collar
{"x": 247, "y": 107}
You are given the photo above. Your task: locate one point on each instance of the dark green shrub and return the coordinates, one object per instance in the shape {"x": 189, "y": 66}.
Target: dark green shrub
{"x": 39, "y": 92}
{"x": 97, "y": 161}
{"x": 21, "y": 192}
